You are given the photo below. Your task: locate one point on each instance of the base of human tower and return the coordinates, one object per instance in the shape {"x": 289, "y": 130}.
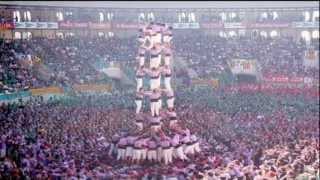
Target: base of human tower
{"x": 170, "y": 150}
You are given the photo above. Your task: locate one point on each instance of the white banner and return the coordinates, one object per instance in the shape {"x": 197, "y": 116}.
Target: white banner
{"x": 36, "y": 25}
{"x": 243, "y": 66}
{"x": 234, "y": 25}
{"x": 185, "y": 25}
{"x": 305, "y": 24}
{"x": 311, "y": 58}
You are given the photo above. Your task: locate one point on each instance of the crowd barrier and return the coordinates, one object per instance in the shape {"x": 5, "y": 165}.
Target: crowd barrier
{"x": 16, "y": 95}
{"x": 47, "y": 90}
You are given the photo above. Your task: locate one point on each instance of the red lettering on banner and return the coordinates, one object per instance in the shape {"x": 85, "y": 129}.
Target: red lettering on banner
{"x": 6, "y": 25}
{"x": 73, "y": 25}
{"x": 99, "y": 25}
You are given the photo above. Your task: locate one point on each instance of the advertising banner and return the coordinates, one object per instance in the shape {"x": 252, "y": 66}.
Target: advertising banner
{"x": 185, "y": 25}
{"x": 52, "y": 25}
{"x": 6, "y": 26}
{"x": 36, "y": 25}
{"x": 31, "y": 25}
{"x": 284, "y": 79}
{"x": 48, "y": 90}
{"x": 70, "y": 25}
{"x": 20, "y": 25}
{"x": 211, "y": 25}
{"x": 93, "y": 87}
{"x": 305, "y": 24}
{"x": 268, "y": 25}
{"x": 126, "y": 26}
{"x": 243, "y": 66}
{"x": 211, "y": 82}
{"x": 99, "y": 25}
{"x": 42, "y": 25}
{"x": 237, "y": 25}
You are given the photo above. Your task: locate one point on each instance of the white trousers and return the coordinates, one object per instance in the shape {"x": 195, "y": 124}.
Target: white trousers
{"x": 139, "y": 106}
{"x": 155, "y": 108}
{"x": 144, "y": 154}
{"x": 189, "y": 149}
{"x": 141, "y": 61}
{"x": 167, "y": 61}
{"x": 152, "y": 155}
{"x": 129, "y": 150}
{"x": 139, "y": 83}
{"x": 167, "y": 155}
{"x": 197, "y": 148}
{"x": 178, "y": 153}
{"x": 159, "y": 154}
{"x": 136, "y": 154}
{"x": 167, "y": 83}
{"x": 121, "y": 154}
{"x": 170, "y": 103}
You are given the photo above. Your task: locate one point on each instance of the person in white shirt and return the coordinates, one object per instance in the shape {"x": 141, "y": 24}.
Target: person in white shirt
{"x": 155, "y": 77}
{"x": 138, "y": 100}
{"x": 155, "y": 95}
{"x": 139, "y": 77}
{"x": 170, "y": 99}
{"x": 167, "y": 77}
{"x": 155, "y": 59}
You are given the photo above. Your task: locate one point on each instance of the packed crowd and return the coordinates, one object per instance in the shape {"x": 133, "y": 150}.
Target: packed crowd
{"x": 208, "y": 56}
{"x": 74, "y": 60}
{"x": 241, "y": 136}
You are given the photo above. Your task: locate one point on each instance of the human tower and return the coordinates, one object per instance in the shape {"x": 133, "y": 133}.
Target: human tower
{"x": 158, "y": 136}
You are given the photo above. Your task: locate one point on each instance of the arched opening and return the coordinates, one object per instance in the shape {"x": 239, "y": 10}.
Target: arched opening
{"x": 141, "y": 17}
{"x": 109, "y": 16}
{"x": 151, "y": 16}
{"x": 101, "y": 34}
{"x": 27, "y": 16}
{"x": 223, "y": 16}
{"x": 306, "y": 16}
{"x": 59, "y": 16}
{"x": 101, "y": 17}
{"x": 274, "y": 34}
{"x": 26, "y": 35}
{"x": 315, "y": 34}
{"x": 275, "y": 15}
{"x": 264, "y": 34}
{"x": 59, "y": 34}
{"x": 222, "y": 34}
{"x": 191, "y": 17}
{"x": 17, "y": 35}
{"x": 306, "y": 36}
{"x": 232, "y": 34}
{"x": 16, "y": 16}
{"x": 315, "y": 16}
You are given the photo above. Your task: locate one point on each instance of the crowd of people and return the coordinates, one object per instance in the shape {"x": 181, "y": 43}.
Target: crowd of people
{"x": 241, "y": 135}
{"x": 74, "y": 60}
{"x": 252, "y": 136}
